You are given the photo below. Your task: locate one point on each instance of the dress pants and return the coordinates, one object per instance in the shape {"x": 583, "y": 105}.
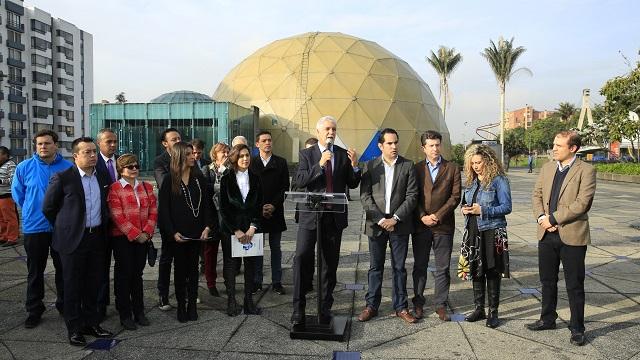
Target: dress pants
{"x": 211, "y": 259}
{"x": 551, "y": 250}
{"x": 38, "y": 247}
{"x": 104, "y": 293}
{"x": 130, "y": 260}
{"x": 230, "y": 268}
{"x": 399, "y": 245}
{"x": 276, "y": 260}
{"x": 185, "y": 273}
{"x": 442, "y": 245}
{"x": 9, "y": 227}
{"x": 82, "y": 272}
{"x": 164, "y": 264}
{"x": 303, "y": 263}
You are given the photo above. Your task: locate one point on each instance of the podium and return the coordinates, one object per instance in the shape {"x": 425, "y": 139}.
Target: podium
{"x": 318, "y": 203}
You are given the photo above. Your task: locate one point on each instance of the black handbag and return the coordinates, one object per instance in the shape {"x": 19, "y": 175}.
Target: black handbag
{"x": 152, "y": 253}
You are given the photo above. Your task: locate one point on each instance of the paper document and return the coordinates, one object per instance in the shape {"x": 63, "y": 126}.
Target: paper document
{"x": 254, "y": 248}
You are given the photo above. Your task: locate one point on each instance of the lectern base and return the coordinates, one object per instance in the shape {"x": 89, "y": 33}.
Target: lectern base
{"x": 312, "y": 330}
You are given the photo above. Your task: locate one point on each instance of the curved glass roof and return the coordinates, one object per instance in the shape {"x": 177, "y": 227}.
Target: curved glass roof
{"x": 181, "y": 96}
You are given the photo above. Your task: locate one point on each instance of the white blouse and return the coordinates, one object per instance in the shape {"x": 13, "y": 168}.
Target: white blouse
{"x": 242, "y": 177}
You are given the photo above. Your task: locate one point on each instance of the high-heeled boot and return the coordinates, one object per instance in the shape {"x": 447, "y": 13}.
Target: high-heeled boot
{"x": 233, "y": 309}
{"x": 250, "y": 307}
{"x": 478, "y": 301}
{"x": 192, "y": 310}
{"x": 493, "y": 295}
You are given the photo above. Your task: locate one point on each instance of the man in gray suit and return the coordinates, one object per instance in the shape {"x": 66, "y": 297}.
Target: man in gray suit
{"x": 389, "y": 193}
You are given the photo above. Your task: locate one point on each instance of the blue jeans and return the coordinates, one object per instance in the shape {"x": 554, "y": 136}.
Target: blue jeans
{"x": 377, "y": 249}
{"x": 276, "y": 260}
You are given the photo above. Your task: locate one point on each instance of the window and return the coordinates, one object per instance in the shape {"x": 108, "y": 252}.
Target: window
{"x": 68, "y": 99}
{"x": 14, "y": 36}
{"x": 15, "y": 90}
{"x": 16, "y": 126}
{"x": 68, "y": 68}
{"x": 68, "y": 53}
{"x": 15, "y": 74}
{"x": 15, "y": 54}
{"x": 68, "y": 84}
{"x": 68, "y": 114}
{"x": 68, "y": 38}
{"x": 17, "y": 143}
{"x": 41, "y": 78}
{"x": 15, "y": 108}
{"x": 42, "y": 112}
{"x": 37, "y": 127}
{"x": 14, "y": 20}
{"x": 40, "y": 61}
{"x": 40, "y": 27}
{"x": 42, "y": 95}
{"x": 68, "y": 130}
{"x": 40, "y": 44}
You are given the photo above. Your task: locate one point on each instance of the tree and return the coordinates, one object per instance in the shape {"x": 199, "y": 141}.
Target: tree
{"x": 444, "y": 63}
{"x": 120, "y": 98}
{"x": 457, "y": 154}
{"x": 540, "y": 136}
{"x": 502, "y": 59}
{"x": 514, "y": 143}
{"x": 566, "y": 110}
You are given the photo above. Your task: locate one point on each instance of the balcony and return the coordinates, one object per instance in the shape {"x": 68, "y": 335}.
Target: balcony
{"x": 16, "y": 63}
{"x": 17, "y": 116}
{"x": 21, "y": 81}
{"x": 18, "y": 152}
{"x": 15, "y": 45}
{"x": 18, "y": 133}
{"x": 15, "y": 27}
{"x": 17, "y": 99}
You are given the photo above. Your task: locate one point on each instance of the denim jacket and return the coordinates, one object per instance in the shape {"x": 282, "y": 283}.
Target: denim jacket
{"x": 494, "y": 201}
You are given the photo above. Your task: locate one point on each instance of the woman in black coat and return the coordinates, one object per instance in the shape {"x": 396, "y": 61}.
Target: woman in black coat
{"x": 240, "y": 212}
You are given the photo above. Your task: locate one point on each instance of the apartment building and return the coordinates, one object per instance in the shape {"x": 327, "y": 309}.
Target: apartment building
{"x": 524, "y": 117}
{"x": 46, "y": 78}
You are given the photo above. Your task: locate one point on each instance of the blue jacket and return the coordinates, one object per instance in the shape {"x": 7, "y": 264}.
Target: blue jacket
{"x": 494, "y": 201}
{"x": 28, "y": 188}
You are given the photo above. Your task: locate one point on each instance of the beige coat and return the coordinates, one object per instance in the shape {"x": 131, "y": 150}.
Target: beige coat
{"x": 574, "y": 202}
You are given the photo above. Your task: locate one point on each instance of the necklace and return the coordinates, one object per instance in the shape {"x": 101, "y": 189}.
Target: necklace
{"x": 187, "y": 198}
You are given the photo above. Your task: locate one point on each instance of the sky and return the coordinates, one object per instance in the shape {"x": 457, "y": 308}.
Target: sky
{"x": 149, "y": 47}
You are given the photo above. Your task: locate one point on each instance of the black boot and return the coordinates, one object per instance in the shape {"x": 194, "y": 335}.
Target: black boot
{"x": 192, "y": 310}
{"x": 493, "y": 295}
{"x": 182, "y": 311}
{"x": 250, "y": 307}
{"x": 478, "y": 301}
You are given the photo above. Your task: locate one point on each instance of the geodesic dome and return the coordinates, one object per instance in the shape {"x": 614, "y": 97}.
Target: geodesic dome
{"x": 297, "y": 80}
{"x": 181, "y": 96}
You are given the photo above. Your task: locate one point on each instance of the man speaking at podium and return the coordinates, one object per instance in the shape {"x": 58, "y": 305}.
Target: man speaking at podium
{"x": 328, "y": 168}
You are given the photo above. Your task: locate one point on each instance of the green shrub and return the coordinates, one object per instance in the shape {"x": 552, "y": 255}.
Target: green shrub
{"x": 619, "y": 168}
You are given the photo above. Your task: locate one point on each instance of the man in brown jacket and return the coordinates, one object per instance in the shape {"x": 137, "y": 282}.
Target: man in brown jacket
{"x": 439, "y": 194}
{"x": 562, "y": 196}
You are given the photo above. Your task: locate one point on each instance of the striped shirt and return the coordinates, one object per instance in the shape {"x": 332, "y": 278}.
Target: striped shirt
{"x": 6, "y": 176}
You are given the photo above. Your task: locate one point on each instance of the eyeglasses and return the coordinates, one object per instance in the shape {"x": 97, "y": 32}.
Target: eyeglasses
{"x": 132, "y": 167}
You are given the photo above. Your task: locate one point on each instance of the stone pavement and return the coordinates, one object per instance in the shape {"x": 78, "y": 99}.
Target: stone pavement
{"x": 612, "y": 311}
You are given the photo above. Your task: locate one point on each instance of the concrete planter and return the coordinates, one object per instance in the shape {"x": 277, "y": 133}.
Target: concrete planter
{"x": 619, "y": 177}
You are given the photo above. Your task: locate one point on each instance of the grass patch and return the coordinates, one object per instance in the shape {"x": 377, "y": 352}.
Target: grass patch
{"x": 619, "y": 168}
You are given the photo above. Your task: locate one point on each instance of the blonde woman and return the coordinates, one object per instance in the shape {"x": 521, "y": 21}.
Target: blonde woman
{"x": 484, "y": 250}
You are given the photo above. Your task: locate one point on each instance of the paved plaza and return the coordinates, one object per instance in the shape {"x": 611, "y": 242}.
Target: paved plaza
{"x": 612, "y": 312}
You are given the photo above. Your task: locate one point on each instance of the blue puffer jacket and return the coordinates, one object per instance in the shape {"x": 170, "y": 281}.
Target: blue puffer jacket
{"x": 28, "y": 188}
{"x": 495, "y": 202}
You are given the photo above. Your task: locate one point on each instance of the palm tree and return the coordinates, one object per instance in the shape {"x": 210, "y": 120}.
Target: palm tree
{"x": 502, "y": 59}
{"x": 566, "y": 110}
{"x": 444, "y": 63}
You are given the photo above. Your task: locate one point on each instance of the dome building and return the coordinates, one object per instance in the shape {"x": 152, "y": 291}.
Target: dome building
{"x": 181, "y": 96}
{"x": 295, "y": 81}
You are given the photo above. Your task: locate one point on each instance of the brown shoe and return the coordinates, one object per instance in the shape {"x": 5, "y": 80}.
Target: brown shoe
{"x": 367, "y": 314}
{"x": 419, "y": 311}
{"x": 443, "y": 314}
{"x": 405, "y": 315}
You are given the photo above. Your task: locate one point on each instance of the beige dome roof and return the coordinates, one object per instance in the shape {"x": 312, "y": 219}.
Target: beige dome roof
{"x": 297, "y": 80}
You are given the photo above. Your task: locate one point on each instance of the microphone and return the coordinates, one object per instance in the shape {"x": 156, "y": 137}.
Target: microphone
{"x": 329, "y": 143}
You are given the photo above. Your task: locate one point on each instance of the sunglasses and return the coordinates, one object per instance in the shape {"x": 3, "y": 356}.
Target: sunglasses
{"x": 132, "y": 167}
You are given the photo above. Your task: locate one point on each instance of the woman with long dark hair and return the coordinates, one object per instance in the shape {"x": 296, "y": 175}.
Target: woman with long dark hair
{"x": 240, "y": 212}
{"x": 186, "y": 213}
{"x": 484, "y": 254}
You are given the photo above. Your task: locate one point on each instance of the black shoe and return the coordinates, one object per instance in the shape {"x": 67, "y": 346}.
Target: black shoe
{"x": 492, "y": 320}
{"x": 250, "y": 307}
{"x": 96, "y": 331}
{"x": 128, "y": 324}
{"x": 297, "y": 319}
{"x": 164, "y": 303}
{"x": 578, "y": 339}
{"x": 477, "y": 314}
{"x": 278, "y": 289}
{"x": 539, "y": 325}
{"x": 142, "y": 320}
{"x": 32, "y": 321}
{"x": 214, "y": 292}
{"x": 76, "y": 339}
{"x": 233, "y": 309}
{"x": 192, "y": 311}
{"x": 182, "y": 313}
{"x": 256, "y": 288}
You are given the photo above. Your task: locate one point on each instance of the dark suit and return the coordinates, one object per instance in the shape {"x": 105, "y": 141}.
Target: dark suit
{"x": 275, "y": 181}
{"x": 81, "y": 249}
{"x": 404, "y": 194}
{"x": 160, "y": 169}
{"x": 312, "y": 178}
{"x": 103, "y": 291}
{"x": 440, "y": 198}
